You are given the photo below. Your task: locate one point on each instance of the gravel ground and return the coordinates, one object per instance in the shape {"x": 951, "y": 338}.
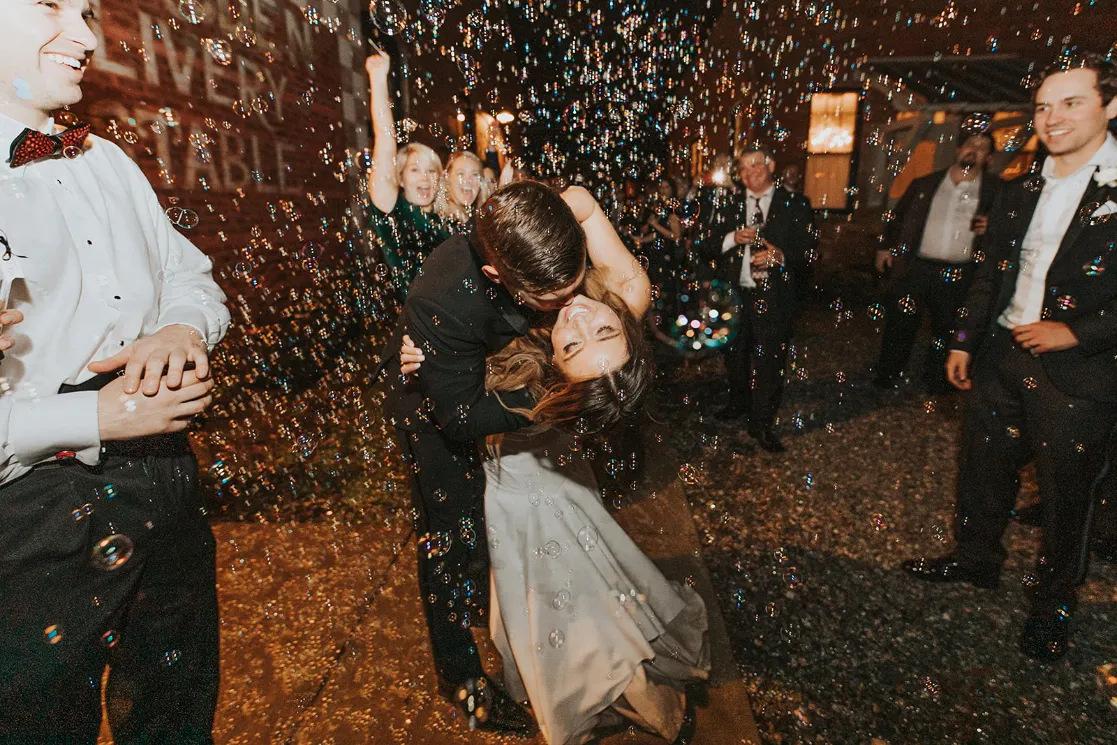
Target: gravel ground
{"x": 838, "y": 645}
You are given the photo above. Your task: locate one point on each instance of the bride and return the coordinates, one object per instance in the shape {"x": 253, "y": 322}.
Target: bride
{"x": 591, "y": 633}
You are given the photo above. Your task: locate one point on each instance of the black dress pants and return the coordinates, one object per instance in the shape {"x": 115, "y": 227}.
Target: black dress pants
{"x": 756, "y": 360}
{"x": 932, "y": 288}
{"x": 448, "y": 493}
{"x": 108, "y": 566}
{"x": 1015, "y": 414}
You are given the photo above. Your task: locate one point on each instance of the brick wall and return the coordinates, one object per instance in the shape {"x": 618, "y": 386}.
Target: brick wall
{"x": 248, "y": 124}
{"x": 251, "y": 137}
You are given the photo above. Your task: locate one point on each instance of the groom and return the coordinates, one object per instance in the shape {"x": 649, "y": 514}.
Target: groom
{"x": 472, "y": 297}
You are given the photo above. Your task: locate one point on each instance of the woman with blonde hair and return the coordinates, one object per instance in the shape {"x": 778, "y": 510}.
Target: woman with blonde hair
{"x": 464, "y": 188}
{"x": 402, "y": 185}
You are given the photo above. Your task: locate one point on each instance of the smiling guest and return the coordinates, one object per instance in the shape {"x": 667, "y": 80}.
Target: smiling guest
{"x": 465, "y": 188}
{"x": 1040, "y": 337}
{"x": 402, "y": 186}
{"x": 106, "y": 557}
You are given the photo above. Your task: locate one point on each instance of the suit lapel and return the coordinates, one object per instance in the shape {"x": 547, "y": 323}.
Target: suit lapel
{"x": 1094, "y": 192}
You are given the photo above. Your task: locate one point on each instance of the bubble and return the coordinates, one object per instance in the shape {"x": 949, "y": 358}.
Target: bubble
{"x": 1089, "y": 214}
{"x": 109, "y": 638}
{"x": 688, "y": 474}
{"x": 1066, "y": 302}
{"x": 220, "y": 50}
{"x": 976, "y": 124}
{"x": 1094, "y": 267}
{"x": 907, "y": 305}
{"x": 113, "y": 552}
{"x": 560, "y": 600}
{"x": 587, "y": 538}
{"x": 193, "y": 11}
{"x": 52, "y": 634}
{"x": 433, "y": 10}
{"x": 71, "y": 151}
{"x": 552, "y": 549}
{"x": 171, "y": 657}
{"x": 1030, "y": 383}
{"x": 245, "y": 34}
{"x": 876, "y": 312}
{"x": 260, "y": 104}
{"x": 181, "y": 217}
{"x": 1016, "y": 137}
{"x": 706, "y": 318}
{"x": 1012, "y": 431}
{"x": 469, "y": 285}
{"x": 878, "y": 522}
{"x": 556, "y": 639}
{"x": 389, "y": 16}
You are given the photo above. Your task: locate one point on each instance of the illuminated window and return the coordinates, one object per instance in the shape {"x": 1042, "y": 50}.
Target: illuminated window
{"x": 830, "y": 146}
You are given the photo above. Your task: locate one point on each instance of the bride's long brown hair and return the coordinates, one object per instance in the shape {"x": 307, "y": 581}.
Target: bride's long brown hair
{"x": 582, "y": 406}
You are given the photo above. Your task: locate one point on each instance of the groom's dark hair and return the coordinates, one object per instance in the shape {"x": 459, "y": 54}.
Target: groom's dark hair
{"x": 530, "y": 235}
{"x": 1105, "y": 68}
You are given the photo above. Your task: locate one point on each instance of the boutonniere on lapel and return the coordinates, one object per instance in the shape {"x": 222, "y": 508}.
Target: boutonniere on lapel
{"x": 1106, "y": 176}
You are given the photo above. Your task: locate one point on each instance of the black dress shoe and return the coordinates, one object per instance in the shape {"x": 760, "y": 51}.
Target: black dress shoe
{"x": 768, "y": 440}
{"x": 1030, "y": 515}
{"x": 1045, "y": 636}
{"x": 489, "y": 709}
{"x": 950, "y": 569}
{"x": 730, "y": 413}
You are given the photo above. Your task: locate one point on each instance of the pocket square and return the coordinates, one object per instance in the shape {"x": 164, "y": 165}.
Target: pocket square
{"x": 1109, "y": 208}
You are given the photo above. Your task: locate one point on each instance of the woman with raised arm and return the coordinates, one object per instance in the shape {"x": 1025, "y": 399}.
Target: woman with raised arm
{"x": 402, "y": 185}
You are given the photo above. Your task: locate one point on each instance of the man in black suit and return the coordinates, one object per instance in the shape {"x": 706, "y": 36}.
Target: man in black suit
{"x": 928, "y": 247}
{"x": 768, "y": 240}
{"x": 1042, "y": 319}
{"x": 473, "y": 296}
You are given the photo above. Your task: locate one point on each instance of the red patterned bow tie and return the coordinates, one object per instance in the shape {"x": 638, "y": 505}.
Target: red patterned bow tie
{"x": 32, "y": 145}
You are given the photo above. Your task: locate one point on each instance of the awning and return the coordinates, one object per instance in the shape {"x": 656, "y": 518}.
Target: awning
{"x": 986, "y": 82}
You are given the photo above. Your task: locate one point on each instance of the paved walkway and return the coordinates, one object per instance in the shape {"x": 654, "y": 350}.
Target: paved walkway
{"x": 323, "y": 639}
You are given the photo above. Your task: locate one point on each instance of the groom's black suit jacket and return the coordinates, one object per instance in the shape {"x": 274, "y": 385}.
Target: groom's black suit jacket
{"x": 458, "y": 317}
{"x": 1081, "y": 287}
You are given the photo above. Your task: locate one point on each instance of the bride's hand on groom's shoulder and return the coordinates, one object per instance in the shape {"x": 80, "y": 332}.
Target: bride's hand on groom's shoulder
{"x": 410, "y": 356}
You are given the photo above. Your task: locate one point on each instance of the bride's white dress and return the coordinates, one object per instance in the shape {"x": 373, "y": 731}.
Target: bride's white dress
{"x": 591, "y": 633}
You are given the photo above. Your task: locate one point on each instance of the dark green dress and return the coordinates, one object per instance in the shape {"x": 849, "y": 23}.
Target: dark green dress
{"x": 406, "y": 236}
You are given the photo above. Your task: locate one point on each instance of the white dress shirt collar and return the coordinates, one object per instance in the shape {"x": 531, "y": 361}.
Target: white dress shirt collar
{"x": 766, "y": 194}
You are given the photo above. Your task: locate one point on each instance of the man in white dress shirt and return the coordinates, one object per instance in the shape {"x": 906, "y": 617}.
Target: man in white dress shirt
{"x": 106, "y": 558}
{"x": 928, "y": 248}
{"x": 768, "y": 241}
{"x": 1042, "y": 321}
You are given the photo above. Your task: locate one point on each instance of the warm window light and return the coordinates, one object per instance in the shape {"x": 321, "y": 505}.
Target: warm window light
{"x": 833, "y": 122}
{"x": 505, "y": 117}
